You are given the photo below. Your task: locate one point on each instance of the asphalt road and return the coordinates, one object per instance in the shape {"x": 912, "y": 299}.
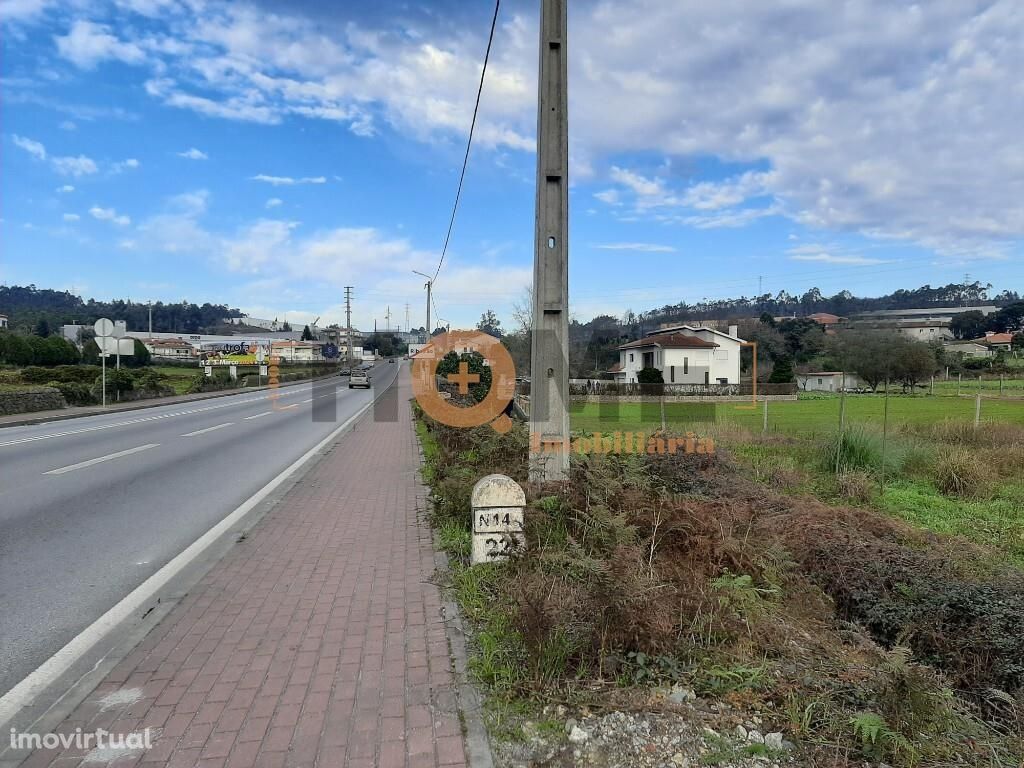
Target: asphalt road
{"x": 91, "y": 507}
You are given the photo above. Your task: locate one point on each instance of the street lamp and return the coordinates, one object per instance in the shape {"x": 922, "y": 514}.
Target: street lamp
{"x": 430, "y": 283}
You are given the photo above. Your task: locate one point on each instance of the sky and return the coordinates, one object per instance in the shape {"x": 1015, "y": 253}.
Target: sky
{"x": 266, "y": 154}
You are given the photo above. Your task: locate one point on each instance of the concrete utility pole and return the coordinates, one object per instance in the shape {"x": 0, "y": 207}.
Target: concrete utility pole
{"x": 549, "y": 359}
{"x": 429, "y": 286}
{"x": 348, "y": 324}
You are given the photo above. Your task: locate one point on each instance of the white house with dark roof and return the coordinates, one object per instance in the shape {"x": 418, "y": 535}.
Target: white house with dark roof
{"x": 3, "y": 321}
{"x": 684, "y": 354}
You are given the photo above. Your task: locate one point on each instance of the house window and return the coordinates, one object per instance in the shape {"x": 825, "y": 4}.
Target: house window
{"x": 671, "y": 373}
{"x": 631, "y": 357}
{"x": 686, "y": 365}
{"x": 819, "y": 382}
{"x": 648, "y": 359}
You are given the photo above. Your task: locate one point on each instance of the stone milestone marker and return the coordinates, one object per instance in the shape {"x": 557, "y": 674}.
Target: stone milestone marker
{"x": 498, "y": 504}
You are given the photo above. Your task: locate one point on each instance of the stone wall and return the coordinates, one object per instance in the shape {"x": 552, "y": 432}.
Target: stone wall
{"x": 29, "y": 401}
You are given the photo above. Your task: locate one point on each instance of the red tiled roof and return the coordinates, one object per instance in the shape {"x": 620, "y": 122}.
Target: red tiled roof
{"x": 996, "y": 338}
{"x": 615, "y": 368}
{"x": 824, "y": 318}
{"x": 671, "y": 341}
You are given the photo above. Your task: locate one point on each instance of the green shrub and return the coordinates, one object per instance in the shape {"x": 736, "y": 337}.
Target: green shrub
{"x": 74, "y": 392}
{"x": 152, "y": 383}
{"x": 959, "y": 472}
{"x": 118, "y": 381}
{"x": 35, "y": 374}
{"x": 860, "y": 450}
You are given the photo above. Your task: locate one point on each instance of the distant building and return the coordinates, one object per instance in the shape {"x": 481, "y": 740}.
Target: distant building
{"x": 997, "y": 341}
{"x": 684, "y": 354}
{"x": 3, "y": 321}
{"x": 825, "y": 319}
{"x": 934, "y": 330}
{"x": 170, "y": 349}
{"x": 297, "y": 351}
{"x": 967, "y": 348}
{"x": 254, "y": 322}
{"x": 929, "y": 313}
{"x": 829, "y": 381}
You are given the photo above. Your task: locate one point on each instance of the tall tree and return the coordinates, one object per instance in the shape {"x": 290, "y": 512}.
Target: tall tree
{"x": 490, "y": 324}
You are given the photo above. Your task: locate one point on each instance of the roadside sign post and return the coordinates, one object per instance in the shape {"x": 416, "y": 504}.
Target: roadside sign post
{"x": 104, "y": 329}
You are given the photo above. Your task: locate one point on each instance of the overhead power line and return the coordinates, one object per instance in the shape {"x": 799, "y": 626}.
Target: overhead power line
{"x": 469, "y": 142}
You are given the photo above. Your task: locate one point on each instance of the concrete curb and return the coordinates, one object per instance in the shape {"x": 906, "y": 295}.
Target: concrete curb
{"x": 478, "y": 745}
{"x": 39, "y": 418}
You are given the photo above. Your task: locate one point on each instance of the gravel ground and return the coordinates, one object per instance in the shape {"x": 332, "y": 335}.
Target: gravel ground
{"x": 681, "y": 731}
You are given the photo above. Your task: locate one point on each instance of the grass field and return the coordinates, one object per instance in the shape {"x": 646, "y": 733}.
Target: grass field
{"x": 179, "y": 379}
{"x": 812, "y": 416}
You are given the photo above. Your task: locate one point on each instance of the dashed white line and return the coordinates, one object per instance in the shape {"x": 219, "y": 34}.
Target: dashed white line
{"x": 100, "y": 460}
{"x": 258, "y": 416}
{"x": 274, "y": 395}
{"x": 208, "y": 429}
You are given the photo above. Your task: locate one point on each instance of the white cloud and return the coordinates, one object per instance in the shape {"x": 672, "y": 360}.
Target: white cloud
{"x": 892, "y": 118}
{"x": 828, "y": 255}
{"x": 34, "y": 148}
{"x": 71, "y": 217}
{"x": 74, "y": 166}
{"x": 609, "y": 196}
{"x": 640, "y": 185}
{"x": 643, "y": 247}
{"x": 68, "y": 125}
{"x": 712, "y": 195}
{"x": 109, "y": 214}
{"x": 130, "y": 164}
{"x": 287, "y": 181}
{"x": 193, "y": 154}
{"x": 22, "y": 10}
{"x": 88, "y": 43}
{"x": 273, "y": 202}
{"x": 66, "y": 188}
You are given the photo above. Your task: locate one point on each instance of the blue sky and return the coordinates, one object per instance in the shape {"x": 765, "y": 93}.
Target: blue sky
{"x": 267, "y": 154}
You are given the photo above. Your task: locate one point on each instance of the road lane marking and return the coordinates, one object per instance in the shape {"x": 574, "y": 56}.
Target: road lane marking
{"x": 258, "y": 416}
{"x": 28, "y": 690}
{"x": 101, "y": 459}
{"x": 273, "y": 395}
{"x": 208, "y": 429}
{"x": 307, "y": 401}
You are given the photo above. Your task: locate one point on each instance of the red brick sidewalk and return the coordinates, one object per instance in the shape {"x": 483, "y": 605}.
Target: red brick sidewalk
{"x": 317, "y": 641}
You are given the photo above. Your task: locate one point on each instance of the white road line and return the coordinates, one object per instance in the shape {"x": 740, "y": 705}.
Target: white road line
{"x": 100, "y": 460}
{"x": 289, "y": 407}
{"x": 208, "y": 429}
{"x": 307, "y": 401}
{"x": 258, "y": 416}
{"x": 274, "y": 395}
{"x": 26, "y": 692}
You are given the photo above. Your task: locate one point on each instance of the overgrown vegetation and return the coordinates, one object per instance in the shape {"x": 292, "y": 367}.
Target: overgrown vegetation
{"x": 857, "y": 634}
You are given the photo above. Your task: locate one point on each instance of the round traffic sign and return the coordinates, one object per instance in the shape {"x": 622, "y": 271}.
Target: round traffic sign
{"x": 103, "y": 327}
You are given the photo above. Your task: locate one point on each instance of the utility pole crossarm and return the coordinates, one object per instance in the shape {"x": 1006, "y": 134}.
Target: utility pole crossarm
{"x": 549, "y": 391}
